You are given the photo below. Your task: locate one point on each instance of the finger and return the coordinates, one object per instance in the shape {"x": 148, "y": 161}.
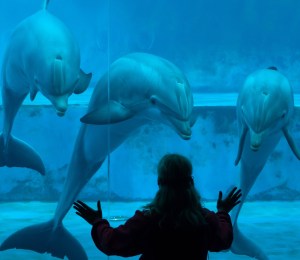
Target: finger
{"x": 79, "y": 214}
{"x": 236, "y": 195}
{"x": 99, "y": 205}
{"x": 239, "y": 196}
{"x": 85, "y": 206}
{"x": 86, "y": 218}
{"x": 77, "y": 204}
{"x": 238, "y": 192}
{"x": 78, "y": 207}
{"x": 236, "y": 198}
{"x": 220, "y": 195}
{"x": 231, "y": 192}
{"x": 237, "y": 202}
{"x": 82, "y": 204}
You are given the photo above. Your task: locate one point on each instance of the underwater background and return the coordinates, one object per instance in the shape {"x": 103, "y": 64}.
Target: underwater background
{"x": 217, "y": 44}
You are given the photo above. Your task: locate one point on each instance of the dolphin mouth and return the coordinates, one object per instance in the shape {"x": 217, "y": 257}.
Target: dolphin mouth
{"x": 185, "y": 137}
{"x": 60, "y": 104}
{"x": 60, "y": 113}
{"x": 182, "y": 128}
{"x": 255, "y": 140}
{"x": 254, "y": 148}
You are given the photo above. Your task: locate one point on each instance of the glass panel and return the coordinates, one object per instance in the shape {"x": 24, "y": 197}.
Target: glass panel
{"x": 216, "y": 45}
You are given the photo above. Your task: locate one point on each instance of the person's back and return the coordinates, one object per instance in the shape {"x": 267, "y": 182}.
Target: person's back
{"x": 189, "y": 243}
{"x": 174, "y": 225}
{"x": 185, "y": 242}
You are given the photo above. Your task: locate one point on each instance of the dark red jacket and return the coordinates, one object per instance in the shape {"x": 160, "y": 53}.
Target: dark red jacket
{"x": 141, "y": 235}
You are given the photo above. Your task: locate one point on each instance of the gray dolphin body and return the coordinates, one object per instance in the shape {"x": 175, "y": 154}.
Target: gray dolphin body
{"x": 42, "y": 55}
{"x": 138, "y": 87}
{"x": 264, "y": 108}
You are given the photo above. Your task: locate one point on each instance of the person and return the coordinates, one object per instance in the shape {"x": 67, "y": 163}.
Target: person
{"x": 174, "y": 225}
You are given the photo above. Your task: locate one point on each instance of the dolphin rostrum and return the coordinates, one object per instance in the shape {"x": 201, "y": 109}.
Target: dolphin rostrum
{"x": 264, "y": 109}
{"x": 42, "y": 55}
{"x": 138, "y": 88}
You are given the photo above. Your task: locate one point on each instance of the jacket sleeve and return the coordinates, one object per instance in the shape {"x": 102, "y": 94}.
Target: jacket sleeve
{"x": 221, "y": 231}
{"x": 122, "y": 240}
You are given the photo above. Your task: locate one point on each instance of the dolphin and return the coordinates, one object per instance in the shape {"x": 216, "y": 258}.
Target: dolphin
{"x": 264, "y": 108}
{"x": 42, "y": 55}
{"x": 137, "y": 89}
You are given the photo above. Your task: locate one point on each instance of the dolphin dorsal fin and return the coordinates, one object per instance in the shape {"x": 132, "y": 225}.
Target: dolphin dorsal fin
{"x": 45, "y": 5}
{"x": 113, "y": 112}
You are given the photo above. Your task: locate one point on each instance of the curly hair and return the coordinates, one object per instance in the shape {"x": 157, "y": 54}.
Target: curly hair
{"x": 177, "y": 201}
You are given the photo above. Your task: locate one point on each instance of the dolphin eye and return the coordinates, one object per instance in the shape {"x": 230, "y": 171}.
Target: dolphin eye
{"x": 153, "y": 100}
{"x": 283, "y": 115}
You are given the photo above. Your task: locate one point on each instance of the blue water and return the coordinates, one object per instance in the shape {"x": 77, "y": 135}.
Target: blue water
{"x": 216, "y": 44}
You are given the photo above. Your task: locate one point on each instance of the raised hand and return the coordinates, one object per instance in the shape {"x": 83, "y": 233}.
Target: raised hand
{"x": 87, "y": 213}
{"x": 230, "y": 201}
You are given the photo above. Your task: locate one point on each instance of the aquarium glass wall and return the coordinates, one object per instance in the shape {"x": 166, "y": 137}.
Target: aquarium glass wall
{"x": 147, "y": 78}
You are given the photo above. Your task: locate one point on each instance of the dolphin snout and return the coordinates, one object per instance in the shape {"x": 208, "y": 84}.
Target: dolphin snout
{"x": 183, "y": 129}
{"x": 254, "y": 147}
{"x": 255, "y": 140}
{"x": 61, "y": 105}
{"x": 61, "y": 112}
{"x": 186, "y": 137}
{"x": 61, "y": 109}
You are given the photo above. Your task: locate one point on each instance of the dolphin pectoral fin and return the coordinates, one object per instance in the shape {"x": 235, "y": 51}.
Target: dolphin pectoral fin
{"x": 33, "y": 93}
{"x": 291, "y": 142}
{"x": 17, "y": 153}
{"x": 43, "y": 238}
{"x": 113, "y": 112}
{"x": 241, "y": 145}
{"x": 83, "y": 82}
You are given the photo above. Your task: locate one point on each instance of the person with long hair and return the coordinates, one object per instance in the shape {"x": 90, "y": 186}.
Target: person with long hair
{"x": 174, "y": 225}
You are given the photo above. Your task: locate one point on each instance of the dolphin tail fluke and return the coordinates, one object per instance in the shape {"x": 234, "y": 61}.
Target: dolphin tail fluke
{"x": 42, "y": 238}
{"x": 244, "y": 246}
{"x": 17, "y": 153}
{"x": 83, "y": 82}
